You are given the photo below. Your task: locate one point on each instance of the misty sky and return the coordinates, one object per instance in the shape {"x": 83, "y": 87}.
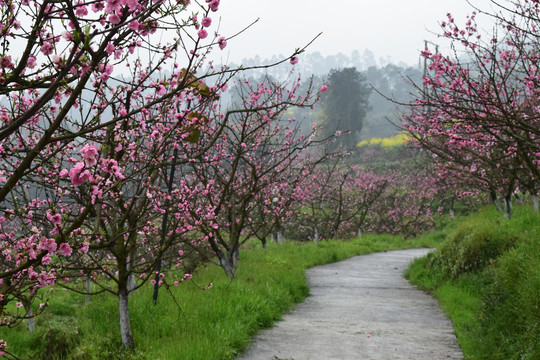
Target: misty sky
{"x": 395, "y": 28}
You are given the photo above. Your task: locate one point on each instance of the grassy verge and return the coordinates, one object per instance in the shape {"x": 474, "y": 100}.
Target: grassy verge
{"x": 486, "y": 276}
{"x": 198, "y": 324}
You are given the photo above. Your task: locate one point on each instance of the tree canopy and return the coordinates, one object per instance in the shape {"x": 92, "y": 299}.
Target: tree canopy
{"x": 345, "y": 104}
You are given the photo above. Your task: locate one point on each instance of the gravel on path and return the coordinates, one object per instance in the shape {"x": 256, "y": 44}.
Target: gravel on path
{"x": 361, "y": 308}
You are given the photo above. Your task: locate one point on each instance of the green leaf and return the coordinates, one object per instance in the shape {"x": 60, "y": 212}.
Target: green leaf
{"x": 193, "y": 136}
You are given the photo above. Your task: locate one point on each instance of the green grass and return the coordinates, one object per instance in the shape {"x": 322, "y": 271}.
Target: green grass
{"x": 486, "y": 276}
{"x": 207, "y": 324}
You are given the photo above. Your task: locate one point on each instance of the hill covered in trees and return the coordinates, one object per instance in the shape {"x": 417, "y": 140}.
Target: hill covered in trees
{"x": 380, "y": 86}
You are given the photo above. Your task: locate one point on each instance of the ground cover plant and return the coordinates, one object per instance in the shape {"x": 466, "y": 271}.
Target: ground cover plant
{"x": 209, "y": 317}
{"x": 486, "y": 276}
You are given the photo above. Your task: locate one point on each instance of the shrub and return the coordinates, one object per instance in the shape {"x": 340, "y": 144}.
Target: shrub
{"x": 473, "y": 245}
{"x": 488, "y": 268}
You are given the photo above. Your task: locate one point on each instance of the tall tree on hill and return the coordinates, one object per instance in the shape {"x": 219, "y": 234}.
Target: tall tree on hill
{"x": 345, "y": 104}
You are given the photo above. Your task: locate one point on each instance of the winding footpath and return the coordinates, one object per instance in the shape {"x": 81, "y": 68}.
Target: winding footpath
{"x": 361, "y": 308}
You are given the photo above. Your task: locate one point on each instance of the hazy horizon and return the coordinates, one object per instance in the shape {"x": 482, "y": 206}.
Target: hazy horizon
{"x": 390, "y": 28}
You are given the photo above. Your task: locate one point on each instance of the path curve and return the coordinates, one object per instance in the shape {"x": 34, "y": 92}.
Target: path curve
{"x": 361, "y": 308}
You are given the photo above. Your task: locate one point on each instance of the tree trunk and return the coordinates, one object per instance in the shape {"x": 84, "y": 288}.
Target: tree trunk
{"x": 263, "y": 241}
{"x": 535, "y": 202}
{"x": 452, "y": 215}
{"x": 507, "y": 207}
{"x": 31, "y": 322}
{"x": 88, "y": 291}
{"x": 280, "y": 238}
{"x": 227, "y": 261}
{"x": 125, "y": 329}
{"x": 495, "y": 202}
{"x": 228, "y": 267}
{"x": 132, "y": 284}
{"x": 359, "y": 233}
{"x": 316, "y": 237}
{"x": 497, "y": 205}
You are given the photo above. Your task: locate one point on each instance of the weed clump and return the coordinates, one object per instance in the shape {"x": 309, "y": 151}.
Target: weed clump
{"x": 58, "y": 341}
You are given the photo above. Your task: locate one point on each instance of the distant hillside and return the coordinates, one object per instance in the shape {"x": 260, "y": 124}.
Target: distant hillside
{"x": 389, "y": 81}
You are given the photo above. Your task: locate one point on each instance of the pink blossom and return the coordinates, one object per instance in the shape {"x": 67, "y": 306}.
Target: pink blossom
{"x": 134, "y": 25}
{"x": 132, "y": 4}
{"x": 202, "y": 33}
{"x": 57, "y": 60}
{"x": 81, "y": 10}
{"x": 47, "y": 49}
{"x": 294, "y": 60}
{"x": 31, "y": 63}
{"x": 3, "y": 346}
{"x": 5, "y": 62}
{"x": 68, "y": 36}
{"x": 323, "y": 88}
{"x": 114, "y": 19}
{"x": 222, "y": 43}
{"x": 206, "y": 22}
{"x": 46, "y": 279}
{"x": 55, "y": 219}
{"x": 109, "y": 69}
{"x": 78, "y": 176}
{"x": 97, "y": 192}
{"x": 84, "y": 248}
{"x": 214, "y": 5}
{"x": 106, "y": 72}
{"x": 97, "y": 7}
{"x": 110, "y": 48}
{"x": 47, "y": 244}
{"x": 110, "y": 166}
{"x": 63, "y": 173}
{"x": 113, "y": 6}
{"x": 46, "y": 260}
{"x": 89, "y": 154}
{"x": 65, "y": 249}
{"x": 161, "y": 90}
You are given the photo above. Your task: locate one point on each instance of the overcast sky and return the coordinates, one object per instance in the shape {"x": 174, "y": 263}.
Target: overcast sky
{"x": 395, "y": 28}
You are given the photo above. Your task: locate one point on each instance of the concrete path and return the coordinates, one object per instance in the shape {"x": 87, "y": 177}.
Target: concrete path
{"x": 361, "y": 308}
